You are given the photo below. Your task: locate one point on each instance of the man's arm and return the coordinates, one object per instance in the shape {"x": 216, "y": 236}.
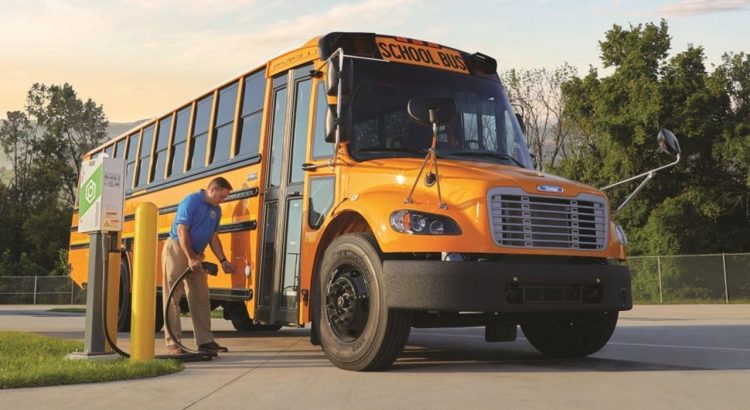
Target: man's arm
{"x": 194, "y": 261}
{"x": 218, "y": 250}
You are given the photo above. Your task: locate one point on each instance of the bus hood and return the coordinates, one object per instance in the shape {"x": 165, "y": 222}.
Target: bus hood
{"x": 459, "y": 180}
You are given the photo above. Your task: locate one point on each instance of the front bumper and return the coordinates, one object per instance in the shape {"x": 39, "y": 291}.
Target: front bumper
{"x": 506, "y": 287}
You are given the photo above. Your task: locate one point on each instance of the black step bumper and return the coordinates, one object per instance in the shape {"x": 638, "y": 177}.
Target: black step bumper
{"x": 506, "y": 287}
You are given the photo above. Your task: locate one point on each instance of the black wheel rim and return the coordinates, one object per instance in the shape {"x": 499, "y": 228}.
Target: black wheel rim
{"x": 347, "y": 303}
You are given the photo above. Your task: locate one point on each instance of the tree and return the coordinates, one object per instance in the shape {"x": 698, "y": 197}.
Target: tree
{"x": 537, "y": 93}
{"x": 71, "y": 128}
{"x": 45, "y": 145}
{"x": 699, "y": 206}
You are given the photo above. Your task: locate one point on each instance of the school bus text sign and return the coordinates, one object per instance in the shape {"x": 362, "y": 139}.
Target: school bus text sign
{"x": 404, "y": 50}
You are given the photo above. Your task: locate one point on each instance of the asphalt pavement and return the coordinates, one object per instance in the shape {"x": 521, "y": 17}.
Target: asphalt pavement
{"x": 684, "y": 356}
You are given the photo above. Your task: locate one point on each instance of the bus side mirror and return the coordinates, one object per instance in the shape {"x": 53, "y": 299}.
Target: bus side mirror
{"x": 339, "y": 85}
{"x": 343, "y": 123}
{"x": 668, "y": 142}
{"x": 331, "y": 123}
{"x": 332, "y": 78}
{"x": 336, "y": 76}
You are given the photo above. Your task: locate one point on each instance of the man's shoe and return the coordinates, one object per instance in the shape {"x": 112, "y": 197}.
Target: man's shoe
{"x": 212, "y": 347}
{"x": 174, "y": 349}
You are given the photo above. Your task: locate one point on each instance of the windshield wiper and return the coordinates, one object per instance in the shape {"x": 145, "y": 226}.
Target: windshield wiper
{"x": 491, "y": 154}
{"x": 420, "y": 151}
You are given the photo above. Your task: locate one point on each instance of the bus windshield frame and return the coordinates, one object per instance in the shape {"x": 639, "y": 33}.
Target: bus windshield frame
{"x": 484, "y": 128}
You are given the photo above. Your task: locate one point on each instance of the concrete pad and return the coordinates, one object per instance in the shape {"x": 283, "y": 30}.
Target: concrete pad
{"x": 694, "y": 356}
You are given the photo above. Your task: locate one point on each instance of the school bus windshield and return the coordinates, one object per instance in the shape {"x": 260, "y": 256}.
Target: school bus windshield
{"x": 483, "y": 129}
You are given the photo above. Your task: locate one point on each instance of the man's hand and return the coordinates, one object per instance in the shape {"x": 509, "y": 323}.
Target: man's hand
{"x": 195, "y": 263}
{"x": 227, "y": 267}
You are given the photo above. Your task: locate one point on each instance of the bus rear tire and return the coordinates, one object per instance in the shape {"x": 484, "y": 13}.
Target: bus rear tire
{"x": 123, "y": 315}
{"x": 125, "y": 298}
{"x": 357, "y": 330}
{"x": 574, "y": 334}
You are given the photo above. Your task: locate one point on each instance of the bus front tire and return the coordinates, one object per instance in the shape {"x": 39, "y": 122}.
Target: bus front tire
{"x": 566, "y": 335}
{"x": 357, "y": 330}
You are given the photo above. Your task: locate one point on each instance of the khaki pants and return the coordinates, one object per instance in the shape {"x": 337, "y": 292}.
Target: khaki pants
{"x": 174, "y": 262}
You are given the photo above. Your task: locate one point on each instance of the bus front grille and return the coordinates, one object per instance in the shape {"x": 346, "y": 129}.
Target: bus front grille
{"x": 533, "y": 221}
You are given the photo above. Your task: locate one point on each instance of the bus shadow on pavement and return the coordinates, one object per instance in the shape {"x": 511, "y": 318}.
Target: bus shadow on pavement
{"x": 282, "y": 333}
{"x": 512, "y": 361}
{"x": 632, "y": 348}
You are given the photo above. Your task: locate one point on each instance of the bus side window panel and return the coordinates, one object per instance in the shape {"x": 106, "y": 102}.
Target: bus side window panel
{"x": 130, "y": 158}
{"x": 144, "y": 160}
{"x": 120, "y": 148}
{"x": 224, "y": 124}
{"x": 200, "y": 133}
{"x": 179, "y": 142}
{"x": 160, "y": 152}
{"x": 251, "y": 115}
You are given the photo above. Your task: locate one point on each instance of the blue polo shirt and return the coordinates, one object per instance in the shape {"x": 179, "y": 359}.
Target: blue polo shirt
{"x": 200, "y": 216}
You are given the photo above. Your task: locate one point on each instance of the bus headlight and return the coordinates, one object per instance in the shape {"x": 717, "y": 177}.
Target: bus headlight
{"x": 422, "y": 223}
{"x": 621, "y": 237}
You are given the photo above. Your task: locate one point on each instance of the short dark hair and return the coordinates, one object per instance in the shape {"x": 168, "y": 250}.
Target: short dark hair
{"x": 220, "y": 182}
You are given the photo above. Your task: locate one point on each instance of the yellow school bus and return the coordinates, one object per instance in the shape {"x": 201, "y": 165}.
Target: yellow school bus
{"x": 381, "y": 183}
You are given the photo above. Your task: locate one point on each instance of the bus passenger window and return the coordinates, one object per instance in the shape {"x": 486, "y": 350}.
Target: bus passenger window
{"x": 110, "y": 150}
{"x": 224, "y": 122}
{"x": 200, "y": 133}
{"x": 301, "y": 121}
{"x": 120, "y": 151}
{"x": 251, "y": 113}
{"x": 162, "y": 140}
{"x": 177, "y": 158}
{"x": 132, "y": 151}
{"x": 321, "y": 199}
{"x": 143, "y": 164}
{"x": 321, "y": 148}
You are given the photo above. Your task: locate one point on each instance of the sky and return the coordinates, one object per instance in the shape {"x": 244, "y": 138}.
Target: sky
{"x": 143, "y": 58}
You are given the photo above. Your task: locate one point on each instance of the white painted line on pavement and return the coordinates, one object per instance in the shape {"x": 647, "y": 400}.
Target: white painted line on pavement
{"x": 737, "y": 349}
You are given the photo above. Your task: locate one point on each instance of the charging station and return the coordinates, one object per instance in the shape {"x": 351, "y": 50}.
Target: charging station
{"x": 100, "y": 214}
{"x": 101, "y": 195}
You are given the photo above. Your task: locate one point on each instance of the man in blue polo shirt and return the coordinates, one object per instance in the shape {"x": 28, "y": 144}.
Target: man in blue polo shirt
{"x": 195, "y": 226}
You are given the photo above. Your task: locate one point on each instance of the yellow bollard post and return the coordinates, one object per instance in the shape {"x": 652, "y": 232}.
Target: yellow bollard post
{"x": 144, "y": 283}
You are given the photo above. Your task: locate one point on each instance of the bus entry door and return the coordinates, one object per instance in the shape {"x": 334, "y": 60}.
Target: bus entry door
{"x": 278, "y": 298}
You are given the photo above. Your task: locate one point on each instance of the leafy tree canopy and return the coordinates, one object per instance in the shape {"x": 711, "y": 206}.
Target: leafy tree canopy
{"x": 699, "y": 206}
{"x": 45, "y": 144}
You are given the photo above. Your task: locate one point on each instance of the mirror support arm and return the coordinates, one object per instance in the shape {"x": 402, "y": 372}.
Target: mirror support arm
{"x": 340, "y": 52}
{"x": 648, "y": 176}
{"x": 642, "y": 175}
{"x": 632, "y": 194}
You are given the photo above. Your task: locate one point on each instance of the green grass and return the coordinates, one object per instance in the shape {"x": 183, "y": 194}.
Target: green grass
{"x": 216, "y": 314}
{"x": 29, "y": 360}
{"x": 68, "y": 310}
